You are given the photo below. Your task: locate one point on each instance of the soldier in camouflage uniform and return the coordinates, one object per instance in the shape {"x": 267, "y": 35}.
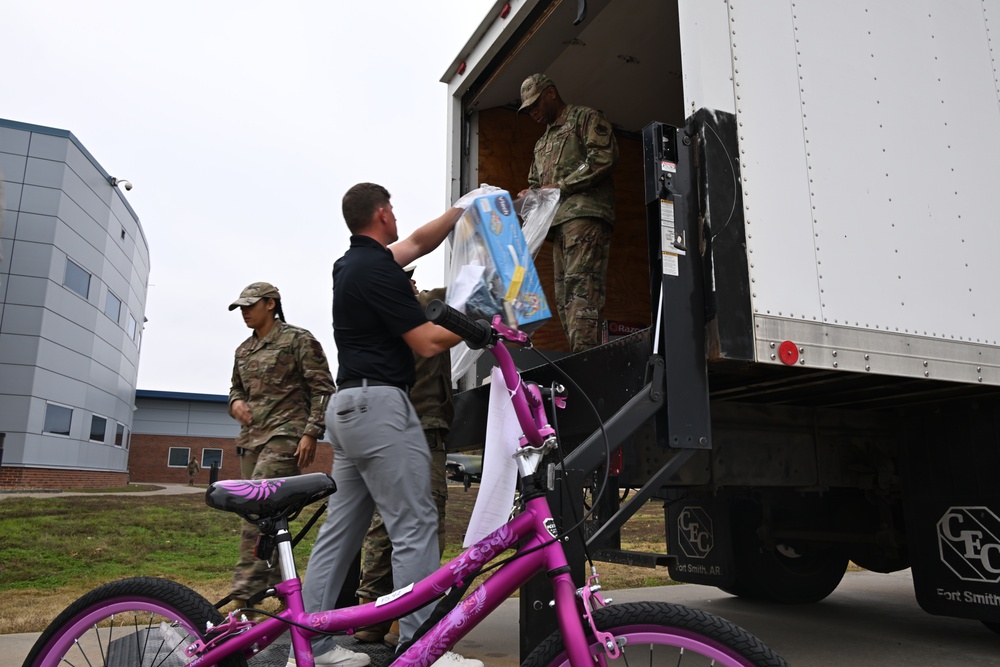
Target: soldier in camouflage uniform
{"x": 431, "y": 398}
{"x": 280, "y": 389}
{"x": 576, "y": 154}
{"x": 193, "y": 469}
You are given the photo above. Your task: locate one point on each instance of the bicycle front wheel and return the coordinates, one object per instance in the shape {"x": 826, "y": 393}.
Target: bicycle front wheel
{"x": 660, "y": 634}
{"x": 138, "y": 622}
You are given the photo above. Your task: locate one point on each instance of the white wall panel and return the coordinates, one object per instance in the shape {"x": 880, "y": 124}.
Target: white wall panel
{"x": 12, "y": 168}
{"x": 14, "y": 141}
{"x": 868, "y": 142}
{"x": 63, "y": 348}
{"x": 35, "y": 228}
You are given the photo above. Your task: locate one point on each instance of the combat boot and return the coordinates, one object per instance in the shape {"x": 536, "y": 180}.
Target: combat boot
{"x": 371, "y": 633}
{"x": 392, "y": 637}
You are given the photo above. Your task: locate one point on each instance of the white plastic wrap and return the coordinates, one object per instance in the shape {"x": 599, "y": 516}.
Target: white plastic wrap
{"x": 470, "y": 260}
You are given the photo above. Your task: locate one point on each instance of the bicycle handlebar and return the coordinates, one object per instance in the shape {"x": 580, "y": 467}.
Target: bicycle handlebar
{"x": 480, "y": 333}
{"x": 477, "y": 334}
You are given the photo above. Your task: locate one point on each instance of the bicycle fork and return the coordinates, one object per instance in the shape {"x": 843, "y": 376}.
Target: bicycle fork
{"x": 566, "y": 596}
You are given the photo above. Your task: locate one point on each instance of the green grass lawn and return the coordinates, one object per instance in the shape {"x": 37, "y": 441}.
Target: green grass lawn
{"x": 52, "y": 550}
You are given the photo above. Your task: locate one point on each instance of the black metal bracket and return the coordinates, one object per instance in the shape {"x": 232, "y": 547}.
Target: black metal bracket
{"x": 675, "y": 398}
{"x": 637, "y": 411}
{"x": 615, "y": 522}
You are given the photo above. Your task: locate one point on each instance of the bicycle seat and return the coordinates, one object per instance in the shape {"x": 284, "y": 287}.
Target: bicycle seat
{"x": 266, "y": 498}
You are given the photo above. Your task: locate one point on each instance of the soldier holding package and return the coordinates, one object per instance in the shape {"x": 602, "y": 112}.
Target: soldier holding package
{"x": 576, "y": 154}
{"x": 280, "y": 389}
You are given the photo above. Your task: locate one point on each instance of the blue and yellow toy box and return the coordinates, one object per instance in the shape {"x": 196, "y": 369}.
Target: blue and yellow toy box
{"x": 493, "y": 266}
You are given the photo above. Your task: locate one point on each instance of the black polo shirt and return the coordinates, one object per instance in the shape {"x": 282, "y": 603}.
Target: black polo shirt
{"x": 373, "y": 306}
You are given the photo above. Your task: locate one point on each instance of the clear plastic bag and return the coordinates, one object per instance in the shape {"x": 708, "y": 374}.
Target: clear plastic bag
{"x": 472, "y": 277}
{"x": 537, "y": 210}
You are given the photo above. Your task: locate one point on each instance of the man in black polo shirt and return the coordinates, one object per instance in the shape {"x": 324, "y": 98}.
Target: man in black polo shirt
{"x": 380, "y": 454}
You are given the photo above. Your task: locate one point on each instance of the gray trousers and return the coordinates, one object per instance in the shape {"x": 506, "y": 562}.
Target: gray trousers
{"x": 380, "y": 458}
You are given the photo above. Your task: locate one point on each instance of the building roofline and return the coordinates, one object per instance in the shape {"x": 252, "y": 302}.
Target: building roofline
{"x": 66, "y": 134}
{"x": 181, "y": 396}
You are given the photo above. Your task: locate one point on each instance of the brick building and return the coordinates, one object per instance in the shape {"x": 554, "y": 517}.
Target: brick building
{"x": 171, "y": 427}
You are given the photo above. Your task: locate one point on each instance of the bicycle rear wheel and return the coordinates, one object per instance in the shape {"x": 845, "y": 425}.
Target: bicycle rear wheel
{"x": 660, "y": 634}
{"x": 138, "y": 622}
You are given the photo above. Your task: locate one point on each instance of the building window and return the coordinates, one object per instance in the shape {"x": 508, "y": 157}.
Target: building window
{"x": 178, "y": 457}
{"x": 113, "y": 307}
{"x": 58, "y": 419}
{"x": 210, "y": 456}
{"x": 131, "y": 327}
{"x": 98, "y": 429}
{"x": 77, "y": 278}
{"x": 121, "y": 436}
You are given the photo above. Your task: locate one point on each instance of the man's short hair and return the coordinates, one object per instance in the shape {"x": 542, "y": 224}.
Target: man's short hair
{"x": 360, "y": 204}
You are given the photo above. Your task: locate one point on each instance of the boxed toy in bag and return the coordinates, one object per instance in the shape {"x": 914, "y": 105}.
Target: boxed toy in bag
{"x": 492, "y": 269}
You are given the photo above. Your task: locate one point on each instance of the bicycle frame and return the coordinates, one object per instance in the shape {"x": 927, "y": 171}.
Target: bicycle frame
{"x": 534, "y": 529}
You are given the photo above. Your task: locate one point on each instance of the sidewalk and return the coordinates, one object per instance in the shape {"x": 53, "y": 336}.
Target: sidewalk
{"x": 167, "y": 490}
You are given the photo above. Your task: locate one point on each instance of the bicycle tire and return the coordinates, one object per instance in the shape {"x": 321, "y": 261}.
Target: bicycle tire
{"x": 665, "y": 634}
{"x": 120, "y": 624}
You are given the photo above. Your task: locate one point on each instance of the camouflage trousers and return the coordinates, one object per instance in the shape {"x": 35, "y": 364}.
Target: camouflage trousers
{"x": 275, "y": 459}
{"x": 580, "y": 250}
{"x": 376, "y": 551}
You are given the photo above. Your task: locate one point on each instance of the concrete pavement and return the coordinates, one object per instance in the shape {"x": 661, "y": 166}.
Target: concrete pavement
{"x": 165, "y": 490}
{"x": 871, "y": 619}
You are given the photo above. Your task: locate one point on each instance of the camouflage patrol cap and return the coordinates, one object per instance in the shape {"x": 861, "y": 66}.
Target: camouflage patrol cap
{"x": 532, "y": 88}
{"x": 253, "y": 293}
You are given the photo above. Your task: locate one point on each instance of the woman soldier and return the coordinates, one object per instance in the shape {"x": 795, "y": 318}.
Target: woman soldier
{"x": 280, "y": 389}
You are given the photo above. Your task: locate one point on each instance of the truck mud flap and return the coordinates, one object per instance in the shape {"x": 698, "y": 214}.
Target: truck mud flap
{"x": 699, "y": 539}
{"x": 952, "y": 510}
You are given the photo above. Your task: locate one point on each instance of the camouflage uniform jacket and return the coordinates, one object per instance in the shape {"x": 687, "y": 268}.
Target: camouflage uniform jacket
{"x": 577, "y": 153}
{"x": 431, "y": 393}
{"x": 286, "y": 382}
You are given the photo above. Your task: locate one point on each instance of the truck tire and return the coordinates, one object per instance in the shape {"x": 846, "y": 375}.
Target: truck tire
{"x": 792, "y": 573}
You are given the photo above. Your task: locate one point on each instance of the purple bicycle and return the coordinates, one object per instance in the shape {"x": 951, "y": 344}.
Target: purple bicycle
{"x": 146, "y": 621}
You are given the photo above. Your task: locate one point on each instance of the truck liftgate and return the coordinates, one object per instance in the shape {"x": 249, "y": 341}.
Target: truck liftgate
{"x": 663, "y": 376}
{"x": 674, "y": 401}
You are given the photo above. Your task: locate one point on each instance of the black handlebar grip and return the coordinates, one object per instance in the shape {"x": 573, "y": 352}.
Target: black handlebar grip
{"x": 476, "y": 333}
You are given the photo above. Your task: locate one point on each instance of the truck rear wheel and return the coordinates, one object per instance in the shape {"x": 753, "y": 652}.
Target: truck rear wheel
{"x": 790, "y": 573}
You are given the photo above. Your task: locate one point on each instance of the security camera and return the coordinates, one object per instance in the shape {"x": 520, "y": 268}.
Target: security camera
{"x": 128, "y": 186}
{"x": 120, "y": 181}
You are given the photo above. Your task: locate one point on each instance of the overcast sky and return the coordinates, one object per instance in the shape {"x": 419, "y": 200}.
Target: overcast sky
{"x": 241, "y": 124}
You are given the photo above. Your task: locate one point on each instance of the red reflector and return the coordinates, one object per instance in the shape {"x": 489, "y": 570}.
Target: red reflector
{"x": 788, "y": 352}
{"x": 461, "y": 68}
{"x": 616, "y": 463}
{"x": 505, "y": 10}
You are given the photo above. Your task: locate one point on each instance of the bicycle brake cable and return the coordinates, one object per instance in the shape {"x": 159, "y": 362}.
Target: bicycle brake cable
{"x": 607, "y": 452}
{"x": 578, "y": 526}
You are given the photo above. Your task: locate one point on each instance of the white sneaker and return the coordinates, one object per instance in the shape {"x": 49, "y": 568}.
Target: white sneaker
{"x": 339, "y": 656}
{"x": 452, "y": 659}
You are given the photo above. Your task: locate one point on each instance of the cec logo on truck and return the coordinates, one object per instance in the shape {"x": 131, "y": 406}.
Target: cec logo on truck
{"x": 969, "y": 542}
{"x": 694, "y": 532}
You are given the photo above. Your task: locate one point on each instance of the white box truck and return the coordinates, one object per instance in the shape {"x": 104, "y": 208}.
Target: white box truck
{"x": 807, "y": 241}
